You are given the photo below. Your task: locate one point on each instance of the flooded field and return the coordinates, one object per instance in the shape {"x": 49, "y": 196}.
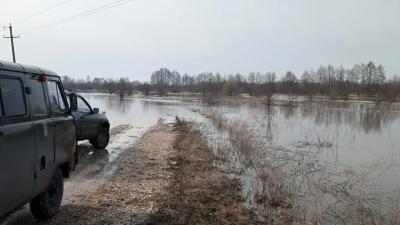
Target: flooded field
{"x": 329, "y": 162}
{"x": 307, "y": 162}
{"x": 356, "y": 136}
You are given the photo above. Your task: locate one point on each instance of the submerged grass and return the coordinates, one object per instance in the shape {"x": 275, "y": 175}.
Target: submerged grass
{"x": 294, "y": 186}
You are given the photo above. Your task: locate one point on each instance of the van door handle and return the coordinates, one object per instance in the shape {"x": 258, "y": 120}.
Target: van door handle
{"x": 1, "y": 136}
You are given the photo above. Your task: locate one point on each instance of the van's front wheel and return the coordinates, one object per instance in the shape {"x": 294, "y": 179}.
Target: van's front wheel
{"x": 47, "y": 204}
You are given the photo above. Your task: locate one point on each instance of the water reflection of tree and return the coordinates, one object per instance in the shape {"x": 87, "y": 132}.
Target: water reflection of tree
{"x": 159, "y": 107}
{"x": 361, "y": 116}
{"x": 288, "y": 111}
{"x": 269, "y": 132}
{"x": 122, "y": 105}
{"x": 109, "y": 102}
{"x": 148, "y": 106}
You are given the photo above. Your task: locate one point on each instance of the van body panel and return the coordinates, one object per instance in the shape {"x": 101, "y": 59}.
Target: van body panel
{"x": 17, "y": 158}
{"x": 44, "y": 136}
{"x": 32, "y": 146}
{"x": 64, "y": 134}
{"x": 44, "y": 165}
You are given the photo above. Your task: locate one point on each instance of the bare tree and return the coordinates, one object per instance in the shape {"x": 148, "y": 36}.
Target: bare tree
{"x": 336, "y": 82}
{"x": 289, "y": 81}
{"x": 231, "y": 87}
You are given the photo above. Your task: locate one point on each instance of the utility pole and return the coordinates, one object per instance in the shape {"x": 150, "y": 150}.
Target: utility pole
{"x": 12, "y": 41}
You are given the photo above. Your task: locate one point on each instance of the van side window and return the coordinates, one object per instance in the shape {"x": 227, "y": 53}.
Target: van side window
{"x": 38, "y": 100}
{"x": 82, "y": 106}
{"x": 57, "y": 102}
{"x": 11, "y": 98}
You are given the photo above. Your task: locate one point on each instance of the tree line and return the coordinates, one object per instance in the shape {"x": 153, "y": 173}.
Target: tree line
{"x": 365, "y": 79}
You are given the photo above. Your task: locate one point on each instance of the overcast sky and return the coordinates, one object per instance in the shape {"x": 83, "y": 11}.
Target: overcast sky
{"x": 194, "y": 36}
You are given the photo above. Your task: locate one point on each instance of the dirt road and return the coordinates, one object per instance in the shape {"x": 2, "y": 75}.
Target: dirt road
{"x": 121, "y": 192}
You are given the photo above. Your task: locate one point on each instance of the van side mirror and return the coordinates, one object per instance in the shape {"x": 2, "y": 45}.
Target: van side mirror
{"x": 96, "y": 110}
{"x": 73, "y": 99}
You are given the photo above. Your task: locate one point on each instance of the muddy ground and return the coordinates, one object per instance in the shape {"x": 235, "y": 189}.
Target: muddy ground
{"x": 167, "y": 177}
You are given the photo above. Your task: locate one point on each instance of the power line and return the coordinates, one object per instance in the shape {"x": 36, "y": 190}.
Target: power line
{"x": 42, "y": 11}
{"x": 87, "y": 13}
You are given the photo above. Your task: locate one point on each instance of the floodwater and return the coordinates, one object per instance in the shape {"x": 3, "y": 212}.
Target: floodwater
{"x": 357, "y": 136}
{"x": 359, "y": 139}
{"x": 337, "y": 159}
{"x": 352, "y": 135}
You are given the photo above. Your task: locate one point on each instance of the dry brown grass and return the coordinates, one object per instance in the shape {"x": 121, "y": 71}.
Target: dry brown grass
{"x": 271, "y": 188}
{"x": 200, "y": 192}
{"x": 240, "y": 136}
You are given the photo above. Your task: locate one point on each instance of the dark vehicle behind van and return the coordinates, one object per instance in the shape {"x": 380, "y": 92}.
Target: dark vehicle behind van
{"x": 90, "y": 124}
{"x": 37, "y": 139}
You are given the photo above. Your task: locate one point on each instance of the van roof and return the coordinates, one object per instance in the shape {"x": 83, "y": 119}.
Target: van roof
{"x": 16, "y": 67}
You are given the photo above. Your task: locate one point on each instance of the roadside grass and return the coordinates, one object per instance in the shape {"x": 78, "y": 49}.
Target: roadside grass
{"x": 200, "y": 193}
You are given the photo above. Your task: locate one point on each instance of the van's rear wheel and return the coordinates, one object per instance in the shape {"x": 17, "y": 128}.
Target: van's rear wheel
{"x": 102, "y": 139}
{"x": 47, "y": 204}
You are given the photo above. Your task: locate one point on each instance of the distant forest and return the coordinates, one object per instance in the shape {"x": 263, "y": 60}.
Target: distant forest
{"x": 368, "y": 80}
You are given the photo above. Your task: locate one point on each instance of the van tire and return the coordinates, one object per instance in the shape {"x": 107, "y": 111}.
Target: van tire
{"x": 47, "y": 204}
{"x": 102, "y": 139}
